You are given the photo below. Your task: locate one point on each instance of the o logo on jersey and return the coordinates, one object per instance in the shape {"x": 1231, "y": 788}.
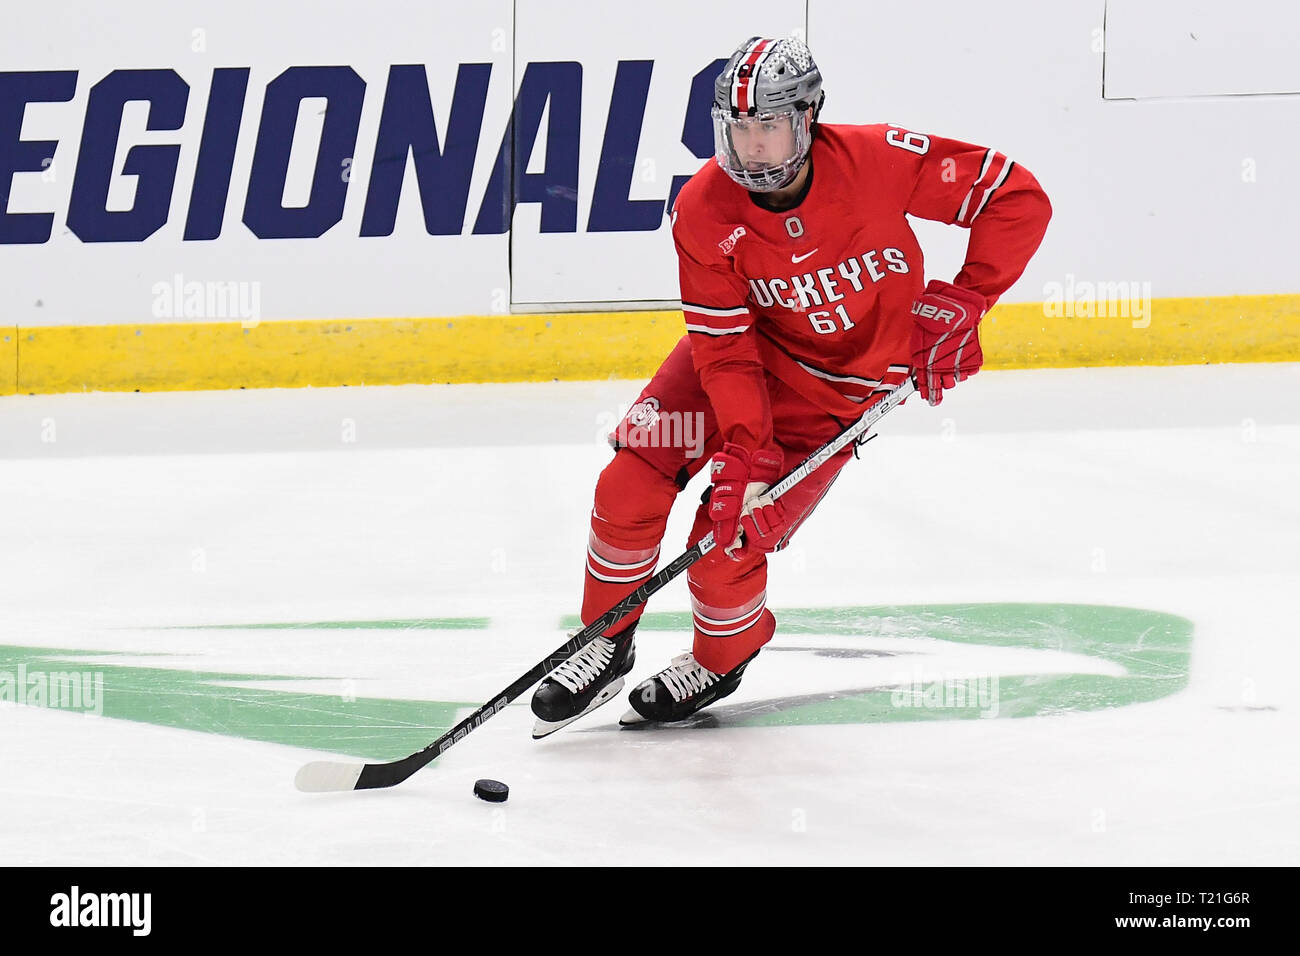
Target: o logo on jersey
{"x": 794, "y": 226}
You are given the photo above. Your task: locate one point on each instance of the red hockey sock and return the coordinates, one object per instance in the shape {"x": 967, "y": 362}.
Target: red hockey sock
{"x": 729, "y": 604}
{"x": 628, "y": 520}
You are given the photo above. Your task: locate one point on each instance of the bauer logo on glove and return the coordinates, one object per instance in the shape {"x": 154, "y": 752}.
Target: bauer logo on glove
{"x": 945, "y": 340}
{"x": 934, "y": 312}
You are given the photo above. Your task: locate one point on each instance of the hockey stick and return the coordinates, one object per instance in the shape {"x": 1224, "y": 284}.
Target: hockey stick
{"x": 326, "y": 775}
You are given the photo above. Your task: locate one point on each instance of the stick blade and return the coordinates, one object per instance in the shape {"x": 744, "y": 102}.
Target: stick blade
{"x": 327, "y": 776}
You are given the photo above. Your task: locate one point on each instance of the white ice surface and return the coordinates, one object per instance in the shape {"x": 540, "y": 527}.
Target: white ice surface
{"x": 1172, "y": 489}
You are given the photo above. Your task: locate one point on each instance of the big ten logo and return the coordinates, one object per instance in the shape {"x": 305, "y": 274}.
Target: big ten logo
{"x": 547, "y": 108}
{"x": 198, "y": 40}
{"x": 1248, "y": 430}
{"x": 497, "y": 561}
{"x": 49, "y": 431}
{"x": 948, "y": 430}
{"x": 1098, "y": 820}
{"x": 198, "y": 560}
{"x": 1098, "y": 560}
{"x": 1248, "y": 170}
{"x": 348, "y": 691}
{"x": 798, "y": 820}
{"x": 348, "y": 431}
{"x": 499, "y": 302}
{"x": 199, "y": 820}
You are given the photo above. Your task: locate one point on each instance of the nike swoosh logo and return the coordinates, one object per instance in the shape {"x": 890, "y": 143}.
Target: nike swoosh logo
{"x": 794, "y": 258}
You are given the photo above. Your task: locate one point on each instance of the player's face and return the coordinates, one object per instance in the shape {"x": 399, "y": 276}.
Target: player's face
{"x": 761, "y": 152}
{"x": 762, "y": 141}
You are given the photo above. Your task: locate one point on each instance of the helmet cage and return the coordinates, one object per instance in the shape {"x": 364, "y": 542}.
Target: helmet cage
{"x": 777, "y": 172}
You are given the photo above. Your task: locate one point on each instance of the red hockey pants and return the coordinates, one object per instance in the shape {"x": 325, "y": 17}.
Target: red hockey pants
{"x": 666, "y": 437}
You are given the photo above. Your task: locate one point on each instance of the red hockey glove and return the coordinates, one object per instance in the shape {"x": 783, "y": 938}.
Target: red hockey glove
{"x": 738, "y": 502}
{"x": 945, "y": 339}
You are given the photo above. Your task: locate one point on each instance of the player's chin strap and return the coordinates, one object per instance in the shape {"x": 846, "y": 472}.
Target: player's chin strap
{"x": 325, "y": 775}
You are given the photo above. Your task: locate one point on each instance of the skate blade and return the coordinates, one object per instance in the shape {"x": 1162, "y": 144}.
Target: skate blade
{"x": 631, "y": 719}
{"x": 544, "y": 728}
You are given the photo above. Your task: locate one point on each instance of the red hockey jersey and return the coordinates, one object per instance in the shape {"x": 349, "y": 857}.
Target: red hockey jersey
{"x": 821, "y": 294}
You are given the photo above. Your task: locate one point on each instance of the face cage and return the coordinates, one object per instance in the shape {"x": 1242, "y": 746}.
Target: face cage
{"x": 771, "y": 176}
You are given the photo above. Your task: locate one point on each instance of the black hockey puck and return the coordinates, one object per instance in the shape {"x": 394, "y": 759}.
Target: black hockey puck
{"x": 494, "y": 791}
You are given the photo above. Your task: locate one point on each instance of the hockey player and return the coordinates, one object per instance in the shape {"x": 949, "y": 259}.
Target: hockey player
{"x": 804, "y": 297}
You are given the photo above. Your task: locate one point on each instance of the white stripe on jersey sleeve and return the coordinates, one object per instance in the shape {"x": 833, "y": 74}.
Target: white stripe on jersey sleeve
{"x": 965, "y": 203}
{"x": 988, "y": 193}
{"x": 709, "y": 330}
{"x": 709, "y": 310}
{"x": 715, "y": 321}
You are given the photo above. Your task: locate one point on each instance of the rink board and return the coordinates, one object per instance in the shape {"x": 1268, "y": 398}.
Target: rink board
{"x": 600, "y": 345}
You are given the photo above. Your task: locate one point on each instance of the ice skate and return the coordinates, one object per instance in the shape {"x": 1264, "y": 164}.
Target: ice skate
{"x": 589, "y": 678}
{"x": 680, "y": 690}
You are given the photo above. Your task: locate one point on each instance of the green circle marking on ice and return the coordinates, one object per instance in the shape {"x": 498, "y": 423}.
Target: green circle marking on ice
{"x": 1147, "y": 654}
{"x": 1150, "y": 649}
